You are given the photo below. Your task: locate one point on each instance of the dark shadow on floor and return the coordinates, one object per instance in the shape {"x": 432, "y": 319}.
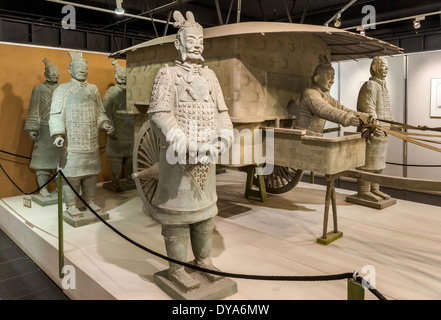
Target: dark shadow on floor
{"x": 21, "y": 278}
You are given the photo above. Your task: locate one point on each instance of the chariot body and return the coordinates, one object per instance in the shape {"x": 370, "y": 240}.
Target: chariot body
{"x": 263, "y": 68}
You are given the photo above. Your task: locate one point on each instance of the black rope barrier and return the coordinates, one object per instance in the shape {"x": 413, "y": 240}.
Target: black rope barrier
{"x": 195, "y": 267}
{"x": 415, "y": 165}
{"x": 341, "y": 276}
{"x": 374, "y": 291}
{"x": 16, "y": 155}
{"x": 21, "y": 190}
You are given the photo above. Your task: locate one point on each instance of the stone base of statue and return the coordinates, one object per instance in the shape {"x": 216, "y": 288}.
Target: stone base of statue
{"x": 45, "y": 201}
{"x": 86, "y": 217}
{"x": 124, "y": 185}
{"x": 207, "y": 291}
{"x": 382, "y": 204}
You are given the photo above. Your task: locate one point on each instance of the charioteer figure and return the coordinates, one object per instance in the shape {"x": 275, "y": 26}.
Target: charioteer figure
{"x": 316, "y": 104}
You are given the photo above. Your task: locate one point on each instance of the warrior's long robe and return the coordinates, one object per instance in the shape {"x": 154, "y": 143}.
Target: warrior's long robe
{"x": 78, "y": 113}
{"x": 45, "y": 155}
{"x": 186, "y": 98}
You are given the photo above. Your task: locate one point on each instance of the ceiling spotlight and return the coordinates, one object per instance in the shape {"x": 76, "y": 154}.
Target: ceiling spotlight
{"x": 119, "y": 9}
{"x": 416, "y": 24}
{"x": 362, "y": 31}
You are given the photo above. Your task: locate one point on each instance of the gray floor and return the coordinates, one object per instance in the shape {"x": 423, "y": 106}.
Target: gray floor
{"x": 21, "y": 278}
{"x": 399, "y": 244}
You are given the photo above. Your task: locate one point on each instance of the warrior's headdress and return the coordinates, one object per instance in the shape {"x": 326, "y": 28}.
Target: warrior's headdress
{"x": 376, "y": 61}
{"x": 76, "y": 56}
{"x": 182, "y": 23}
{"x": 323, "y": 66}
{"x": 48, "y": 66}
{"x": 117, "y": 66}
{"x": 47, "y": 63}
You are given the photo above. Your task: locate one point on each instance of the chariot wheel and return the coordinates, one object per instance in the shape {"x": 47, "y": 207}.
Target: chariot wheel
{"x": 146, "y": 165}
{"x": 281, "y": 180}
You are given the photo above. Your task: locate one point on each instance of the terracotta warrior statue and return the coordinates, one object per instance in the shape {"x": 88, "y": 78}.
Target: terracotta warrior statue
{"x": 77, "y": 114}
{"x": 373, "y": 99}
{"x": 187, "y": 100}
{"x": 316, "y": 104}
{"x": 119, "y": 145}
{"x": 45, "y": 155}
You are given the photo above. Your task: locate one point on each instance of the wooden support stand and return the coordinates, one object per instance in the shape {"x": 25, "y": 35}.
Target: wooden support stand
{"x": 249, "y": 191}
{"x": 327, "y": 238}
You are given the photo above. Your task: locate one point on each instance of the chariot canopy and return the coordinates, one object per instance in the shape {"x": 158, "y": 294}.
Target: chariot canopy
{"x": 344, "y": 45}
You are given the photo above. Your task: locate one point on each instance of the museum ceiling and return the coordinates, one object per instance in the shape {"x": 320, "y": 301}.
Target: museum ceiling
{"x": 316, "y": 12}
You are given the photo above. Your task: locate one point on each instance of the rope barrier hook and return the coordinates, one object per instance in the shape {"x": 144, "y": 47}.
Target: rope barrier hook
{"x": 355, "y": 275}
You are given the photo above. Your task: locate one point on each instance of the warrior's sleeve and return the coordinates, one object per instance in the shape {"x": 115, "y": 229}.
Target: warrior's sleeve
{"x": 224, "y": 124}
{"x": 328, "y": 110}
{"x": 102, "y": 117}
{"x": 367, "y": 99}
{"x": 33, "y": 119}
{"x": 57, "y": 118}
{"x": 336, "y": 104}
{"x": 162, "y": 100}
{"x": 108, "y": 103}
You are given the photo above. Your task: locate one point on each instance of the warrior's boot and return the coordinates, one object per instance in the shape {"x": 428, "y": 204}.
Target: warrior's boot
{"x": 70, "y": 198}
{"x": 375, "y": 189}
{"x": 88, "y": 186}
{"x": 115, "y": 168}
{"x": 364, "y": 191}
{"x": 201, "y": 241}
{"x": 73, "y": 211}
{"x": 128, "y": 164}
{"x": 176, "y": 244}
{"x": 42, "y": 178}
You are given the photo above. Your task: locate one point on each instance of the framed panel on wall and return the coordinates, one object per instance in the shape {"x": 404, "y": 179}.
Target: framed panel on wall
{"x": 435, "y": 100}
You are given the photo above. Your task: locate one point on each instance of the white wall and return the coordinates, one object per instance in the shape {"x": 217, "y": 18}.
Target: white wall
{"x": 422, "y": 67}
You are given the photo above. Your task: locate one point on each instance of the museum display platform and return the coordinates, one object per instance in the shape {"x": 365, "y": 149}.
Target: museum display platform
{"x": 277, "y": 237}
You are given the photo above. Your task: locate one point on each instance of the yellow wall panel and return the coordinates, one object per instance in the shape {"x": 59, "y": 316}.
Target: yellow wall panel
{"x": 21, "y": 69}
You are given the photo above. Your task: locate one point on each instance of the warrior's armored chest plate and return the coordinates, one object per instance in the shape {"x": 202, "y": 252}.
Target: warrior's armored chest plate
{"x": 82, "y": 122}
{"x": 384, "y": 109}
{"x": 195, "y": 111}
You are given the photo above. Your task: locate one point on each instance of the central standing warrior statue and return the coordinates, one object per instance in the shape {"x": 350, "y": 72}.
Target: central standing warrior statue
{"x": 45, "y": 155}
{"x": 187, "y": 100}
{"x": 77, "y": 115}
{"x": 373, "y": 99}
{"x": 119, "y": 145}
